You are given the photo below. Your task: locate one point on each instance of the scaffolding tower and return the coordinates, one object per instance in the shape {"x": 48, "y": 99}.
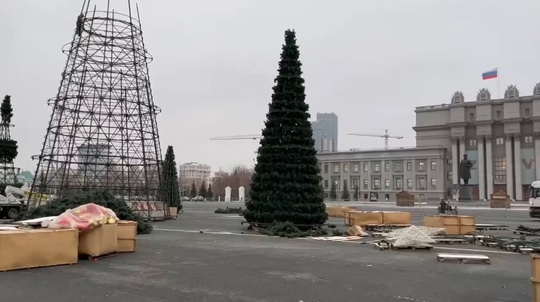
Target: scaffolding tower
{"x": 102, "y": 133}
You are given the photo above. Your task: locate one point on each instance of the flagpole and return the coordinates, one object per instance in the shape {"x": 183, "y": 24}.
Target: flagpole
{"x": 498, "y": 85}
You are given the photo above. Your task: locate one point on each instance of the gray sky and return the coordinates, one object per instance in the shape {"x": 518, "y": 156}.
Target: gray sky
{"x": 370, "y": 62}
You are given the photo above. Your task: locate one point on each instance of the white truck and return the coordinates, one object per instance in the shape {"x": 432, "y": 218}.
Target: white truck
{"x": 534, "y": 201}
{"x": 15, "y": 200}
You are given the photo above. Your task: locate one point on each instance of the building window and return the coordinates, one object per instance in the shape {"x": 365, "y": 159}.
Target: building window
{"x": 386, "y": 166}
{"x": 398, "y": 166}
{"x": 449, "y": 161}
{"x": 345, "y": 168}
{"x": 365, "y": 184}
{"x": 376, "y": 183}
{"x": 434, "y": 182}
{"x": 326, "y": 183}
{"x": 409, "y": 183}
{"x": 472, "y": 143}
{"x": 355, "y": 183}
{"x": 449, "y": 175}
{"x": 365, "y": 167}
{"x": 336, "y": 168}
{"x": 346, "y": 184}
{"x": 398, "y": 183}
{"x": 376, "y": 167}
{"x": 325, "y": 168}
{"x": 336, "y": 182}
{"x": 499, "y": 114}
{"x": 499, "y": 141}
{"x": 421, "y": 166}
{"x": 387, "y": 183}
{"x": 527, "y": 112}
{"x": 500, "y": 170}
{"x": 409, "y": 166}
{"x": 421, "y": 183}
{"x": 356, "y": 168}
{"x": 433, "y": 165}
{"x": 471, "y": 117}
{"x": 528, "y": 139}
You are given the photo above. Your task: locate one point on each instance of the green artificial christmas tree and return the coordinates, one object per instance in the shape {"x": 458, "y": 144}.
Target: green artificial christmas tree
{"x": 356, "y": 192}
{"x": 171, "y": 189}
{"x": 193, "y": 191}
{"x": 209, "y": 193}
{"x": 333, "y": 191}
{"x": 345, "y": 195}
{"x": 286, "y": 185}
{"x": 202, "y": 189}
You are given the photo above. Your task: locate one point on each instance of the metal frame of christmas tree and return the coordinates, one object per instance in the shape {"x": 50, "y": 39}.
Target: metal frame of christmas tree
{"x": 8, "y": 146}
{"x": 102, "y": 132}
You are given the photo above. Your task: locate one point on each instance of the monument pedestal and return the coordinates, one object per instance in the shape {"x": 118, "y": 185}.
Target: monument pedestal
{"x": 465, "y": 193}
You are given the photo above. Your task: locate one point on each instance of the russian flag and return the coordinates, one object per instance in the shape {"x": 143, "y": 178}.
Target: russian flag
{"x": 491, "y": 74}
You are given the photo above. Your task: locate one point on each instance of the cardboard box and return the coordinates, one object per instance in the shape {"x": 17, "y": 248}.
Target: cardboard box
{"x": 127, "y": 236}
{"x": 37, "y": 248}
{"x": 100, "y": 241}
{"x": 396, "y": 218}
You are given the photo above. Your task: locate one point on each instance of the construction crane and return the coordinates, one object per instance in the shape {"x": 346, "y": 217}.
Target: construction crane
{"x": 386, "y": 136}
{"x": 236, "y": 137}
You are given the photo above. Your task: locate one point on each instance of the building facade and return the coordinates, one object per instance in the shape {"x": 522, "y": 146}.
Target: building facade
{"x": 381, "y": 174}
{"x": 501, "y": 137}
{"x": 194, "y": 173}
{"x": 325, "y": 132}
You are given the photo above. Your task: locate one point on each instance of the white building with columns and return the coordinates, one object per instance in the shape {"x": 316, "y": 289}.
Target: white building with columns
{"x": 501, "y": 137}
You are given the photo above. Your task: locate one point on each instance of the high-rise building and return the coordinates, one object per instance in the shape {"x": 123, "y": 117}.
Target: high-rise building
{"x": 194, "y": 173}
{"x": 325, "y": 132}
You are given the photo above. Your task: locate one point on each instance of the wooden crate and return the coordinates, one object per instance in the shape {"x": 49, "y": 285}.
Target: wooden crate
{"x": 100, "y": 241}
{"x": 396, "y": 217}
{"x": 467, "y": 220}
{"x": 127, "y": 236}
{"x": 37, "y": 248}
{"x": 466, "y": 229}
{"x": 535, "y": 266}
{"x": 433, "y": 221}
{"x": 450, "y": 219}
{"x": 536, "y": 289}
{"x": 364, "y": 218}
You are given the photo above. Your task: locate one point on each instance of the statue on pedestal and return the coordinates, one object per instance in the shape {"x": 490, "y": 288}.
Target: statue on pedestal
{"x": 465, "y": 169}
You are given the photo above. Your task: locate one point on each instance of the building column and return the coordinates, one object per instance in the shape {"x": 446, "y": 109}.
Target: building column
{"x": 517, "y": 167}
{"x": 537, "y": 155}
{"x": 509, "y": 167}
{"x": 455, "y": 162}
{"x": 481, "y": 167}
{"x": 461, "y": 152}
{"x": 489, "y": 167}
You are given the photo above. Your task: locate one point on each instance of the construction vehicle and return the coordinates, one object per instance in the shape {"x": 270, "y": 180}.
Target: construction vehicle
{"x": 16, "y": 200}
{"x": 534, "y": 201}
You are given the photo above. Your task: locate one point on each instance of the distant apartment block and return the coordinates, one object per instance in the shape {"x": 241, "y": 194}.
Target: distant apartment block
{"x": 325, "y": 132}
{"x": 194, "y": 173}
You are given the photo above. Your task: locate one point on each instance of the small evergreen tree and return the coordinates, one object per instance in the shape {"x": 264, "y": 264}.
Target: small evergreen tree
{"x": 333, "y": 191}
{"x": 171, "y": 189}
{"x": 286, "y": 185}
{"x": 202, "y": 189}
{"x": 6, "y": 111}
{"x": 193, "y": 191}
{"x": 345, "y": 194}
{"x": 356, "y": 192}
{"x": 8, "y": 147}
{"x": 209, "y": 193}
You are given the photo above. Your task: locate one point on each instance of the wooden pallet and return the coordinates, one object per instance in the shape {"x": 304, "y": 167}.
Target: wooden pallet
{"x": 463, "y": 258}
{"x": 525, "y": 233}
{"x": 96, "y": 258}
{"x": 451, "y": 240}
{"x": 414, "y": 248}
{"x": 491, "y": 227}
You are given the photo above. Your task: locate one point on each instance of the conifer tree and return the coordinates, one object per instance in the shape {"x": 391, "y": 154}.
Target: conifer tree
{"x": 209, "y": 193}
{"x": 286, "y": 185}
{"x": 333, "y": 191}
{"x": 193, "y": 191}
{"x": 202, "y": 189}
{"x": 356, "y": 192}
{"x": 171, "y": 189}
{"x": 345, "y": 195}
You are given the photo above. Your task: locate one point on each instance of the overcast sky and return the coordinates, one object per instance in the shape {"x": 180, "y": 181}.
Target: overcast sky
{"x": 370, "y": 62}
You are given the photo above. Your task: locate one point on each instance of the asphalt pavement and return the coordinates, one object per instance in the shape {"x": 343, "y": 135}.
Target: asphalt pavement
{"x": 204, "y": 256}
